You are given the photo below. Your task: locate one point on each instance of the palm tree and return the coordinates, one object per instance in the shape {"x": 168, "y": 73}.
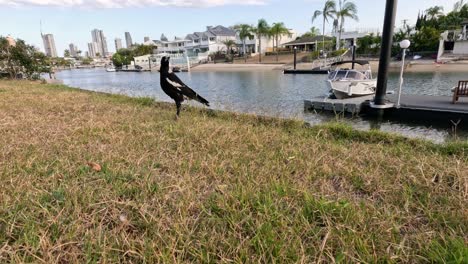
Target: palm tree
{"x": 245, "y": 32}
{"x": 262, "y": 30}
{"x": 229, "y": 44}
{"x": 278, "y": 30}
{"x": 311, "y": 33}
{"x": 346, "y": 10}
{"x": 328, "y": 12}
{"x": 459, "y": 5}
{"x": 434, "y": 12}
{"x": 314, "y": 31}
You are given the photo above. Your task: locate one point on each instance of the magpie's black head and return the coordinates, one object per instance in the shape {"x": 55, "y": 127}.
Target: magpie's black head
{"x": 165, "y": 64}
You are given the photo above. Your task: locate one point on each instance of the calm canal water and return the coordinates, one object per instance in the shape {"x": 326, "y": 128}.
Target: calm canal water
{"x": 266, "y": 92}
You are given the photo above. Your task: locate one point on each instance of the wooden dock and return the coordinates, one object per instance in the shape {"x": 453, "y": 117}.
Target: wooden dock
{"x": 292, "y": 71}
{"x": 431, "y": 103}
{"x": 350, "y": 105}
{"x": 413, "y": 108}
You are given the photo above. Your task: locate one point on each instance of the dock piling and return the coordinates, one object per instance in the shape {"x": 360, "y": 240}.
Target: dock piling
{"x": 385, "y": 55}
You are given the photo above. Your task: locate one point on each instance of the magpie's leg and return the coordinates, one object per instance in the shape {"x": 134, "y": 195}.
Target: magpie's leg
{"x": 178, "y": 105}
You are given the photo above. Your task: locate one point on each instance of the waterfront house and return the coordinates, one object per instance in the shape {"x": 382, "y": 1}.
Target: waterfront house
{"x": 212, "y": 40}
{"x": 268, "y": 43}
{"x": 307, "y": 43}
{"x": 454, "y": 44}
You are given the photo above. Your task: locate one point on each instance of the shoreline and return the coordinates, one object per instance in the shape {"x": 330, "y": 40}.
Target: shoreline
{"x": 412, "y": 67}
{"x": 228, "y": 67}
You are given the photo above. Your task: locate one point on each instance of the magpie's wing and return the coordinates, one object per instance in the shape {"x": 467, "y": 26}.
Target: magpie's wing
{"x": 174, "y": 79}
{"x": 184, "y": 89}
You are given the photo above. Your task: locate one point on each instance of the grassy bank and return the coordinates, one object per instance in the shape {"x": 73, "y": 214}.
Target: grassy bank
{"x": 216, "y": 187}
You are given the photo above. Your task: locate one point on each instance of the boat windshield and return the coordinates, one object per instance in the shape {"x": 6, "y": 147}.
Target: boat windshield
{"x": 337, "y": 74}
{"x": 356, "y": 75}
{"x": 347, "y": 74}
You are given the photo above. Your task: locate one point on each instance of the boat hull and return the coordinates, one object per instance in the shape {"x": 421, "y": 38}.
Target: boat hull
{"x": 353, "y": 88}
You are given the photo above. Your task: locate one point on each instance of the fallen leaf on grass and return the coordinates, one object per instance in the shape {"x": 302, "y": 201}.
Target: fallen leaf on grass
{"x": 94, "y": 166}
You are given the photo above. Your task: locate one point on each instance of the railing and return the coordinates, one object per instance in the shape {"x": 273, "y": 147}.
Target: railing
{"x": 327, "y": 62}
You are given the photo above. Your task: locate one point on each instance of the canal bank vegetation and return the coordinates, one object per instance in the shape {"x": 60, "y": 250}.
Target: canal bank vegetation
{"x": 20, "y": 60}
{"x": 89, "y": 177}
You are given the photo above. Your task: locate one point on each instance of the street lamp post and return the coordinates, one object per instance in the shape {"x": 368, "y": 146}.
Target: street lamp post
{"x": 295, "y": 57}
{"x": 405, "y": 44}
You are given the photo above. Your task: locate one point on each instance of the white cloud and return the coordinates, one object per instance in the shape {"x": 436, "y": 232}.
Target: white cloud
{"x": 129, "y": 3}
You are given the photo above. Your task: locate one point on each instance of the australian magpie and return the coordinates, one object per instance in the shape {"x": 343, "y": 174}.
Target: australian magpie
{"x": 175, "y": 88}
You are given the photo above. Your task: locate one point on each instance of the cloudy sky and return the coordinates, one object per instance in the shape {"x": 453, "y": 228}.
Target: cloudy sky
{"x": 71, "y": 21}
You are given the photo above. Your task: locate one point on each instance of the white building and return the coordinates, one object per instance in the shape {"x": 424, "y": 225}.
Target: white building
{"x": 73, "y": 50}
{"x": 201, "y": 44}
{"x": 350, "y": 36}
{"x": 128, "y": 40}
{"x": 454, "y": 44}
{"x": 11, "y": 41}
{"x": 268, "y": 43}
{"x": 178, "y": 45}
{"x": 118, "y": 44}
{"x": 49, "y": 45}
{"x": 93, "y": 49}
{"x": 212, "y": 40}
{"x": 100, "y": 39}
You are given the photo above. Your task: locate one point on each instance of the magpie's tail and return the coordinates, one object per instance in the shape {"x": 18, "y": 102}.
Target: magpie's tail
{"x": 202, "y": 100}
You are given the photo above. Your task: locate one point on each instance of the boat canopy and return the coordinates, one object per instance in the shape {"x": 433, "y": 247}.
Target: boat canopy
{"x": 360, "y": 62}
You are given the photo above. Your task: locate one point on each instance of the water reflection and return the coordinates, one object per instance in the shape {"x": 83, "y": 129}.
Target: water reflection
{"x": 266, "y": 92}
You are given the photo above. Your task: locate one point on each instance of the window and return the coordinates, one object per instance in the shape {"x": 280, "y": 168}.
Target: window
{"x": 197, "y": 41}
{"x": 212, "y": 38}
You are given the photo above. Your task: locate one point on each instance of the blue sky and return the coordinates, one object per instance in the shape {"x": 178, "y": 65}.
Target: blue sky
{"x": 71, "y": 21}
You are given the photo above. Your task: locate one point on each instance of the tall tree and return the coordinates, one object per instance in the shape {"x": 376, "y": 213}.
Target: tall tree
{"x": 66, "y": 53}
{"x": 434, "y": 12}
{"x": 277, "y": 31}
{"x": 262, "y": 30}
{"x": 245, "y": 32}
{"x": 328, "y": 12}
{"x": 459, "y": 5}
{"x": 22, "y": 58}
{"x": 311, "y": 33}
{"x": 346, "y": 10}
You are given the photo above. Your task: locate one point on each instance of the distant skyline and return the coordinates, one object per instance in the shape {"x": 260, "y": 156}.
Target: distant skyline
{"x": 72, "y": 21}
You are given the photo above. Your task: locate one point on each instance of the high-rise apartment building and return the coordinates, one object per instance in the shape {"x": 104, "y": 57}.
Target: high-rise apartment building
{"x": 73, "y": 50}
{"x": 93, "y": 49}
{"x": 118, "y": 44}
{"x": 101, "y": 41}
{"x": 49, "y": 45}
{"x": 128, "y": 39}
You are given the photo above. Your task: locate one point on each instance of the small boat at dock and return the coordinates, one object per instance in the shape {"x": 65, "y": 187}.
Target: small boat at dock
{"x": 111, "y": 69}
{"x": 345, "y": 82}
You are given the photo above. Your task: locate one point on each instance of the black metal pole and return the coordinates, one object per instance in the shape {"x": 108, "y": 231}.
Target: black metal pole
{"x": 295, "y": 57}
{"x": 386, "y": 51}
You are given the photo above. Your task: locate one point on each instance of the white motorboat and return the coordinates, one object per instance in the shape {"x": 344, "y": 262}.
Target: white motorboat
{"x": 110, "y": 69}
{"x": 350, "y": 82}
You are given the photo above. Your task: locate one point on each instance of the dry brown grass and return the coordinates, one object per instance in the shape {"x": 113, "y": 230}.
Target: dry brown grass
{"x": 216, "y": 187}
